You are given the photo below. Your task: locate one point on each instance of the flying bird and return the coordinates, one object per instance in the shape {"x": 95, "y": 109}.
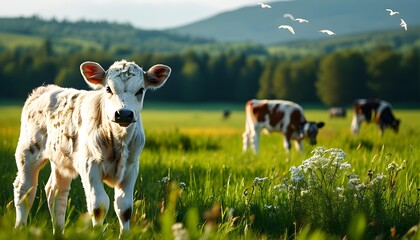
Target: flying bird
{"x": 263, "y": 5}
{"x": 391, "y": 12}
{"x": 403, "y": 24}
{"x": 329, "y": 32}
{"x": 301, "y": 20}
{"x": 288, "y": 28}
{"x": 288, "y": 15}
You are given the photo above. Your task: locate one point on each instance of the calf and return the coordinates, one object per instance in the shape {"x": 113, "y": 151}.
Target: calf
{"x": 278, "y": 116}
{"x": 97, "y": 134}
{"x": 363, "y": 109}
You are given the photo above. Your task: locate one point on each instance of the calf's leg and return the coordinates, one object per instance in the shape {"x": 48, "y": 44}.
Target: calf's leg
{"x": 96, "y": 197}
{"x": 123, "y": 198}
{"x": 29, "y": 162}
{"x": 57, "y": 191}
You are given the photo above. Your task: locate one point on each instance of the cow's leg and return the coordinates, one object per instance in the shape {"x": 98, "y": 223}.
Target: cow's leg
{"x": 96, "y": 197}
{"x": 57, "y": 191}
{"x": 255, "y": 139}
{"x": 355, "y": 123}
{"x": 381, "y": 128}
{"x": 29, "y": 163}
{"x": 245, "y": 140}
{"x": 299, "y": 146}
{"x": 123, "y": 203}
{"x": 286, "y": 143}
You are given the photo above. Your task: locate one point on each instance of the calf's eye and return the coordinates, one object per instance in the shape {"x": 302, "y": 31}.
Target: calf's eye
{"x": 140, "y": 91}
{"x": 108, "y": 89}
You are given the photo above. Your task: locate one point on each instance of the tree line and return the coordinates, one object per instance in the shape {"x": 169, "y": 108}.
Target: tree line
{"x": 332, "y": 79}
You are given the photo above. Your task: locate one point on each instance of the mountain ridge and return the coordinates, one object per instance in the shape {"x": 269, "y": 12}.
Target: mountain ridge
{"x": 259, "y": 25}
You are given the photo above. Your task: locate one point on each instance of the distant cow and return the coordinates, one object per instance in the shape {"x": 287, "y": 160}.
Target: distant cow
{"x": 278, "y": 116}
{"x": 97, "y": 134}
{"x": 226, "y": 114}
{"x": 337, "y": 112}
{"x": 363, "y": 109}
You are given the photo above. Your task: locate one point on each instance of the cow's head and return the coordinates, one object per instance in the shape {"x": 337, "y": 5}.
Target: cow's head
{"x": 310, "y": 131}
{"x": 124, "y": 85}
{"x": 395, "y": 124}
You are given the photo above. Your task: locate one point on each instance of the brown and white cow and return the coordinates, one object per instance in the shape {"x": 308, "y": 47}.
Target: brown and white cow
{"x": 96, "y": 134}
{"x": 363, "y": 109}
{"x": 278, "y": 116}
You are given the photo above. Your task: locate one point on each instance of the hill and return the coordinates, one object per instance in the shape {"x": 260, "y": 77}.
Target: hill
{"x": 346, "y": 17}
{"x": 68, "y": 36}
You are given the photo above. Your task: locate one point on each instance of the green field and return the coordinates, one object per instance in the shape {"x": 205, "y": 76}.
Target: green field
{"x": 218, "y": 192}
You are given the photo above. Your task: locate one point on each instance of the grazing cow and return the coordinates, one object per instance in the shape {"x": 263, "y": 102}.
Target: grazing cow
{"x": 280, "y": 116}
{"x": 96, "y": 134}
{"x": 226, "y": 114}
{"x": 337, "y": 112}
{"x": 382, "y": 114}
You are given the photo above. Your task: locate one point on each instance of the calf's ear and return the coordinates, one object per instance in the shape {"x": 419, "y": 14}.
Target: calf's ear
{"x": 93, "y": 74}
{"x": 320, "y": 124}
{"x": 156, "y": 76}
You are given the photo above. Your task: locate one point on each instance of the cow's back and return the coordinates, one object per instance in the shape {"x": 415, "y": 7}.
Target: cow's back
{"x": 276, "y": 115}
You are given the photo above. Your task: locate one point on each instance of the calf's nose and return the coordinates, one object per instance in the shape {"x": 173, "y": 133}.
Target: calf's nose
{"x": 124, "y": 116}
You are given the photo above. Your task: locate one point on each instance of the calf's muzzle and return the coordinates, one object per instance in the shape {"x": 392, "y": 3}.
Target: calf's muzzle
{"x": 124, "y": 117}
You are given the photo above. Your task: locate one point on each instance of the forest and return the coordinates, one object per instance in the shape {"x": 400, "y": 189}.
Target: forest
{"x": 333, "y": 72}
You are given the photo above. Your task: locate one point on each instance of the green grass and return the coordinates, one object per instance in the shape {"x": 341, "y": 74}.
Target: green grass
{"x": 204, "y": 151}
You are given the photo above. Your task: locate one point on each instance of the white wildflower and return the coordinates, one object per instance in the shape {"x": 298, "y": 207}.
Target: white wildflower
{"x": 345, "y": 166}
{"x": 304, "y": 192}
{"x": 338, "y": 154}
{"x": 379, "y": 177}
{"x": 360, "y": 186}
{"x": 270, "y": 207}
{"x": 391, "y": 167}
{"x": 281, "y": 187}
{"x": 259, "y": 180}
{"x": 164, "y": 180}
{"x": 296, "y": 174}
{"x": 354, "y": 183}
{"x": 352, "y": 175}
{"x": 182, "y": 185}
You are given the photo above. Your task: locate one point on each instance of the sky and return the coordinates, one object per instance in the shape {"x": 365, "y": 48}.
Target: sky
{"x": 145, "y": 14}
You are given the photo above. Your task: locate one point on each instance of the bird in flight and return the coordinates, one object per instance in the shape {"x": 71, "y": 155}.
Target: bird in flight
{"x": 288, "y": 15}
{"x": 263, "y": 5}
{"x": 391, "y": 12}
{"x": 329, "y": 32}
{"x": 403, "y": 24}
{"x": 301, "y": 20}
{"x": 288, "y": 28}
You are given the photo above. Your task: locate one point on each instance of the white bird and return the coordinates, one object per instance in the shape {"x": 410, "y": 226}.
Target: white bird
{"x": 403, "y": 24}
{"x": 288, "y": 15}
{"x": 288, "y": 28}
{"x": 301, "y": 20}
{"x": 263, "y": 5}
{"x": 391, "y": 12}
{"x": 329, "y": 32}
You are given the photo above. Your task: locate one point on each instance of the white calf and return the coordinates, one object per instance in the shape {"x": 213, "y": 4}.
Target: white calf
{"x": 97, "y": 134}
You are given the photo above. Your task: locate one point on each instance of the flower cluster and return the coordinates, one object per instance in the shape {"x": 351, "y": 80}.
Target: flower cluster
{"x": 323, "y": 171}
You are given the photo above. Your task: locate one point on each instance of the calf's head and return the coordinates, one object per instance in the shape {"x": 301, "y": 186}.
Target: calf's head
{"x": 124, "y": 85}
{"x": 310, "y": 131}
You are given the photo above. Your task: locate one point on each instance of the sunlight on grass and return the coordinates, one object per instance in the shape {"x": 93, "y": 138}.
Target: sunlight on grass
{"x": 195, "y": 181}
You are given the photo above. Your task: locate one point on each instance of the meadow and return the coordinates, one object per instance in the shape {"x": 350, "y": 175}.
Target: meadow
{"x": 195, "y": 182}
